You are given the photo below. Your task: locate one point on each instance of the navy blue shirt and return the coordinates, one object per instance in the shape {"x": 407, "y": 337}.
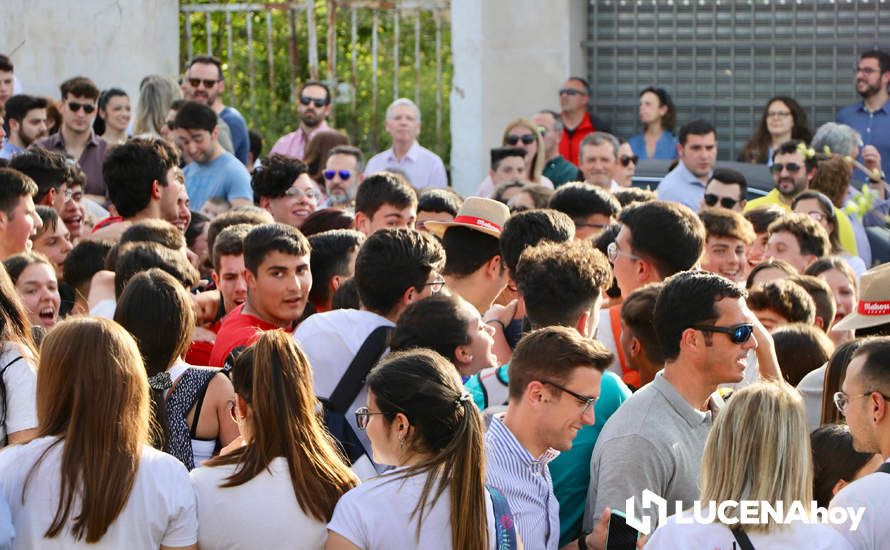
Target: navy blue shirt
{"x": 874, "y": 127}
{"x": 238, "y": 126}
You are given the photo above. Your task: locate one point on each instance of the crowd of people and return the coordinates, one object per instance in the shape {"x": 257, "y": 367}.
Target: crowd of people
{"x": 202, "y": 345}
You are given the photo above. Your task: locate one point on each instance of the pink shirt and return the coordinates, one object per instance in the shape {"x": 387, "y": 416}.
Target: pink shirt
{"x": 293, "y": 145}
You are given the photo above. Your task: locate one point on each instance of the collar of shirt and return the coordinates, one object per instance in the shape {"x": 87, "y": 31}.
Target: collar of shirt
{"x": 410, "y": 155}
{"x": 57, "y": 141}
{"x": 688, "y": 176}
{"x": 690, "y": 414}
{"x": 503, "y": 436}
{"x": 885, "y": 108}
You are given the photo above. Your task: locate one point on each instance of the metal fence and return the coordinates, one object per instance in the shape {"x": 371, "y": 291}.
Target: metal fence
{"x": 722, "y": 60}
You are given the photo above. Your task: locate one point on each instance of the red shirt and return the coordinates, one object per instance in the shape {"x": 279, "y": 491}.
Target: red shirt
{"x": 238, "y": 329}
{"x": 570, "y": 143}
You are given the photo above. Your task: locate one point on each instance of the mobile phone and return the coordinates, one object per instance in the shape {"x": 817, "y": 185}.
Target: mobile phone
{"x": 621, "y": 536}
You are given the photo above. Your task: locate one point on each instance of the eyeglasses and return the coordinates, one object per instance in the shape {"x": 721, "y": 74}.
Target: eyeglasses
{"x": 518, "y": 208}
{"x": 363, "y": 416}
{"x": 841, "y": 399}
{"x": 344, "y": 174}
{"x": 571, "y": 91}
{"x": 69, "y": 194}
{"x": 527, "y": 139}
{"x": 726, "y": 202}
{"x": 317, "y": 101}
{"x": 584, "y": 399}
{"x": 582, "y": 223}
{"x": 867, "y": 70}
{"x": 196, "y": 82}
{"x": 299, "y": 193}
{"x": 792, "y": 167}
{"x": 625, "y": 160}
{"x": 816, "y": 215}
{"x": 777, "y": 114}
{"x": 613, "y": 252}
{"x": 436, "y": 286}
{"x": 75, "y": 106}
{"x": 738, "y": 334}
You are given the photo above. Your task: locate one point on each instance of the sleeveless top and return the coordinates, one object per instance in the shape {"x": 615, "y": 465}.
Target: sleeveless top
{"x": 190, "y": 385}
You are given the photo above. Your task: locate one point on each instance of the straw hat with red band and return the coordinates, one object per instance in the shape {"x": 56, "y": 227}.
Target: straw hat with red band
{"x": 874, "y": 301}
{"x": 485, "y": 215}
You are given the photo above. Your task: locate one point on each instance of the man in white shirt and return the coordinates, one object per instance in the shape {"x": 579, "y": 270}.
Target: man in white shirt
{"x": 598, "y": 159}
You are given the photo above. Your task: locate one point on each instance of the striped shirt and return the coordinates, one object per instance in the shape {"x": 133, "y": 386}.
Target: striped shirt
{"x": 525, "y": 483}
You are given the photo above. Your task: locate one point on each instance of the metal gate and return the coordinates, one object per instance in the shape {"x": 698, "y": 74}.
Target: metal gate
{"x": 722, "y": 60}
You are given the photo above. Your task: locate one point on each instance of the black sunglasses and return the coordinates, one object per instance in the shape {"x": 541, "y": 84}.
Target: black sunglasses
{"x": 329, "y": 174}
{"x": 627, "y": 159}
{"x": 318, "y": 102}
{"x": 792, "y": 167}
{"x": 87, "y": 107}
{"x": 571, "y": 91}
{"x": 195, "y": 82}
{"x": 725, "y": 202}
{"x": 738, "y": 334}
{"x": 527, "y": 139}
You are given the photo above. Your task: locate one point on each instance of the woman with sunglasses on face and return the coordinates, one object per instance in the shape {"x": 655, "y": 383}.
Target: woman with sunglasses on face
{"x": 281, "y": 486}
{"x": 658, "y": 117}
{"x": 819, "y": 207}
{"x": 419, "y": 420}
{"x": 90, "y": 479}
{"x": 525, "y": 135}
{"x": 783, "y": 119}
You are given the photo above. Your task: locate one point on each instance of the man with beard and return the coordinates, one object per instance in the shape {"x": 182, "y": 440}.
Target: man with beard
{"x": 314, "y": 108}
{"x": 26, "y": 120}
{"x": 791, "y": 176}
{"x": 871, "y": 116}
{"x": 342, "y": 175}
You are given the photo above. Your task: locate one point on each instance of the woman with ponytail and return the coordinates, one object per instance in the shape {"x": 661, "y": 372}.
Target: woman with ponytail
{"x": 420, "y": 420}
{"x": 279, "y": 489}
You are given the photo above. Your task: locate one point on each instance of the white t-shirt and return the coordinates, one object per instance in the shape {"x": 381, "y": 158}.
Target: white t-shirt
{"x": 264, "y": 512}
{"x": 872, "y": 492}
{"x": 20, "y": 379}
{"x": 376, "y": 515}
{"x": 160, "y": 508}
{"x": 716, "y": 536}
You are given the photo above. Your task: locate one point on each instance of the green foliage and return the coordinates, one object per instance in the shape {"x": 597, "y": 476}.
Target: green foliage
{"x": 266, "y": 95}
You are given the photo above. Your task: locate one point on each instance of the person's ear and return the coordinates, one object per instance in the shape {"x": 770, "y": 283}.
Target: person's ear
{"x": 692, "y": 340}
{"x": 49, "y": 198}
{"x": 363, "y": 223}
{"x": 156, "y": 190}
{"x": 841, "y": 483}
{"x": 249, "y": 278}
{"x": 215, "y": 133}
{"x": 819, "y": 322}
{"x": 679, "y": 150}
{"x": 215, "y": 277}
{"x": 636, "y": 347}
{"x": 335, "y": 282}
{"x": 463, "y": 354}
{"x": 493, "y": 269}
{"x": 583, "y": 322}
{"x": 264, "y": 202}
{"x": 241, "y": 407}
{"x": 534, "y": 393}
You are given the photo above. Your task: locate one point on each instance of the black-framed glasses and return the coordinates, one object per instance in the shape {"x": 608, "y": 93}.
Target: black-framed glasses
{"x": 317, "y": 101}
{"x": 841, "y": 399}
{"x": 74, "y": 106}
{"x": 792, "y": 167}
{"x": 726, "y": 202}
{"x": 586, "y": 400}
{"x": 196, "y": 82}
{"x": 526, "y": 139}
{"x": 344, "y": 174}
{"x": 363, "y": 416}
{"x": 436, "y": 286}
{"x": 627, "y": 159}
{"x": 571, "y": 91}
{"x": 738, "y": 334}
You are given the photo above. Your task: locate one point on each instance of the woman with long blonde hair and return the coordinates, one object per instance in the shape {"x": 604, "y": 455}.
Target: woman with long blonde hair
{"x": 90, "y": 479}
{"x": 522, "y": 133}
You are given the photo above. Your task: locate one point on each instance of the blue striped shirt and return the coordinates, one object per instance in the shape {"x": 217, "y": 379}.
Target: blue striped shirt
{"x": 525, "y": 483}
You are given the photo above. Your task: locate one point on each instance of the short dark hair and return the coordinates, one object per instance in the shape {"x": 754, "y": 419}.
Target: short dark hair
{"x": 437, "y": 322}
{"x": 762, "y": 216}
{"x": 17, "y": 106}
{"x": 79, "y": 86}
{"x": 731, "y": 177}
{"x": 551, "y": 354}
{"x": 439, "y": 200}
{"x": 834, "y": 459}
{"x": 320, "y": 84}
{"x": 330, "y": 256}
{"x": 350, "y": 150}
{"x": 793, "y": 146}
{"x": 205, "y": 59}
{"x": 581, "y": 81}
{"x": 230, "y": 242}
{"x": 720, "y": 222}
{"x": 50, "y": 219}
{"x": 250, "y": 215}
{"x": 630, "y": 195}
{"x": 13, "y": 186}
{"x": 48, "y": 169}
{"x": 638, "y": 312}
{"x": 696, "y": 128}
{"x": 346, "y": 296}
{"x": 822, "y": 296}
{"x": 786, "y": 299}
{"x": 383, "y": 188}
{"x": 668, "y": 234}
{"x": 82, "y": 262}
{"x": 876, "y": 369}
{"x": 390, "y": 262}
{"x": 811, "y": 237}
{"x": 528, "y": 228}
{"x": 800, "y": 349}
{"x": 327, "y": 219}
{"x": 131, "y": 168}
{"x": 275, "y": 176}
{"x": 6, "y": 63}
{"x": 466, "y": 250}
{"x": 136, "y": 257}
{"x": 195, "y": 116}
{"x": 272, "y": 237}
{"x": 580, "y": 200}
{"x": 560, "y": 281}
{"x": 772, "y": 263}
{"x": 500, "y": 153}
{"x": 256, "y": 143}
{"x": 155, "y": 231}
{"x": 687, "y": 299}
{"x": 882, "y": 57}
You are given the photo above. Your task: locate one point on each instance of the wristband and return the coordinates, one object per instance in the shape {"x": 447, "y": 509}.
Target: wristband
{"x": 503, "y": 327}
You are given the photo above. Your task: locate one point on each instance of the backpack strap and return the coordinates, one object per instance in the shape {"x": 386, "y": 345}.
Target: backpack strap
{"x": 885, "y": 468}
{"x": 742, "y": 538}
{"x": 199, "y": 403}
{"x": 504, "y": 528}
{"x": 354, "y": 379}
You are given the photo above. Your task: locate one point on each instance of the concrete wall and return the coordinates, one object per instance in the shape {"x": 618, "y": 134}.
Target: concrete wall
{"x": 113, "y": 42}
{"x": 510, "y": 58}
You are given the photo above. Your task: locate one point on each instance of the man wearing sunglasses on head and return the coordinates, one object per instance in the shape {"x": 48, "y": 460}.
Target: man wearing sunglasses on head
{"x": 726, "y": 189}
{"x": 577, "y": 121}
{"x": 75, "y": 136}
{"x": 314, "y": 107}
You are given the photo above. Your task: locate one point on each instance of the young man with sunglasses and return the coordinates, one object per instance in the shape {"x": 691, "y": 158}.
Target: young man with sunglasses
{"x": 726, "y": 189}
{"x": 342, "y": 175}
{"x": 576, "y": 120}
{"x": 655, "y": 440}
{"x": 75, "y": 136}
{"x": 314, "y": 107}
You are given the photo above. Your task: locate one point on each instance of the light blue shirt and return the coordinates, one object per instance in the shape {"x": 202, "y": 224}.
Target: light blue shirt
{"x": 223, "y": 177}
{"x": 681, "y": 185}
{"x": 665, "y": 147}
{"x": 9, "y": 150}
{"x": 423, "y": 168}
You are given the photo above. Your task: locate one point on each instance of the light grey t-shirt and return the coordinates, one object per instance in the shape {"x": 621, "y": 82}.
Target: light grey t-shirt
{"x": 654, "y": 441}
